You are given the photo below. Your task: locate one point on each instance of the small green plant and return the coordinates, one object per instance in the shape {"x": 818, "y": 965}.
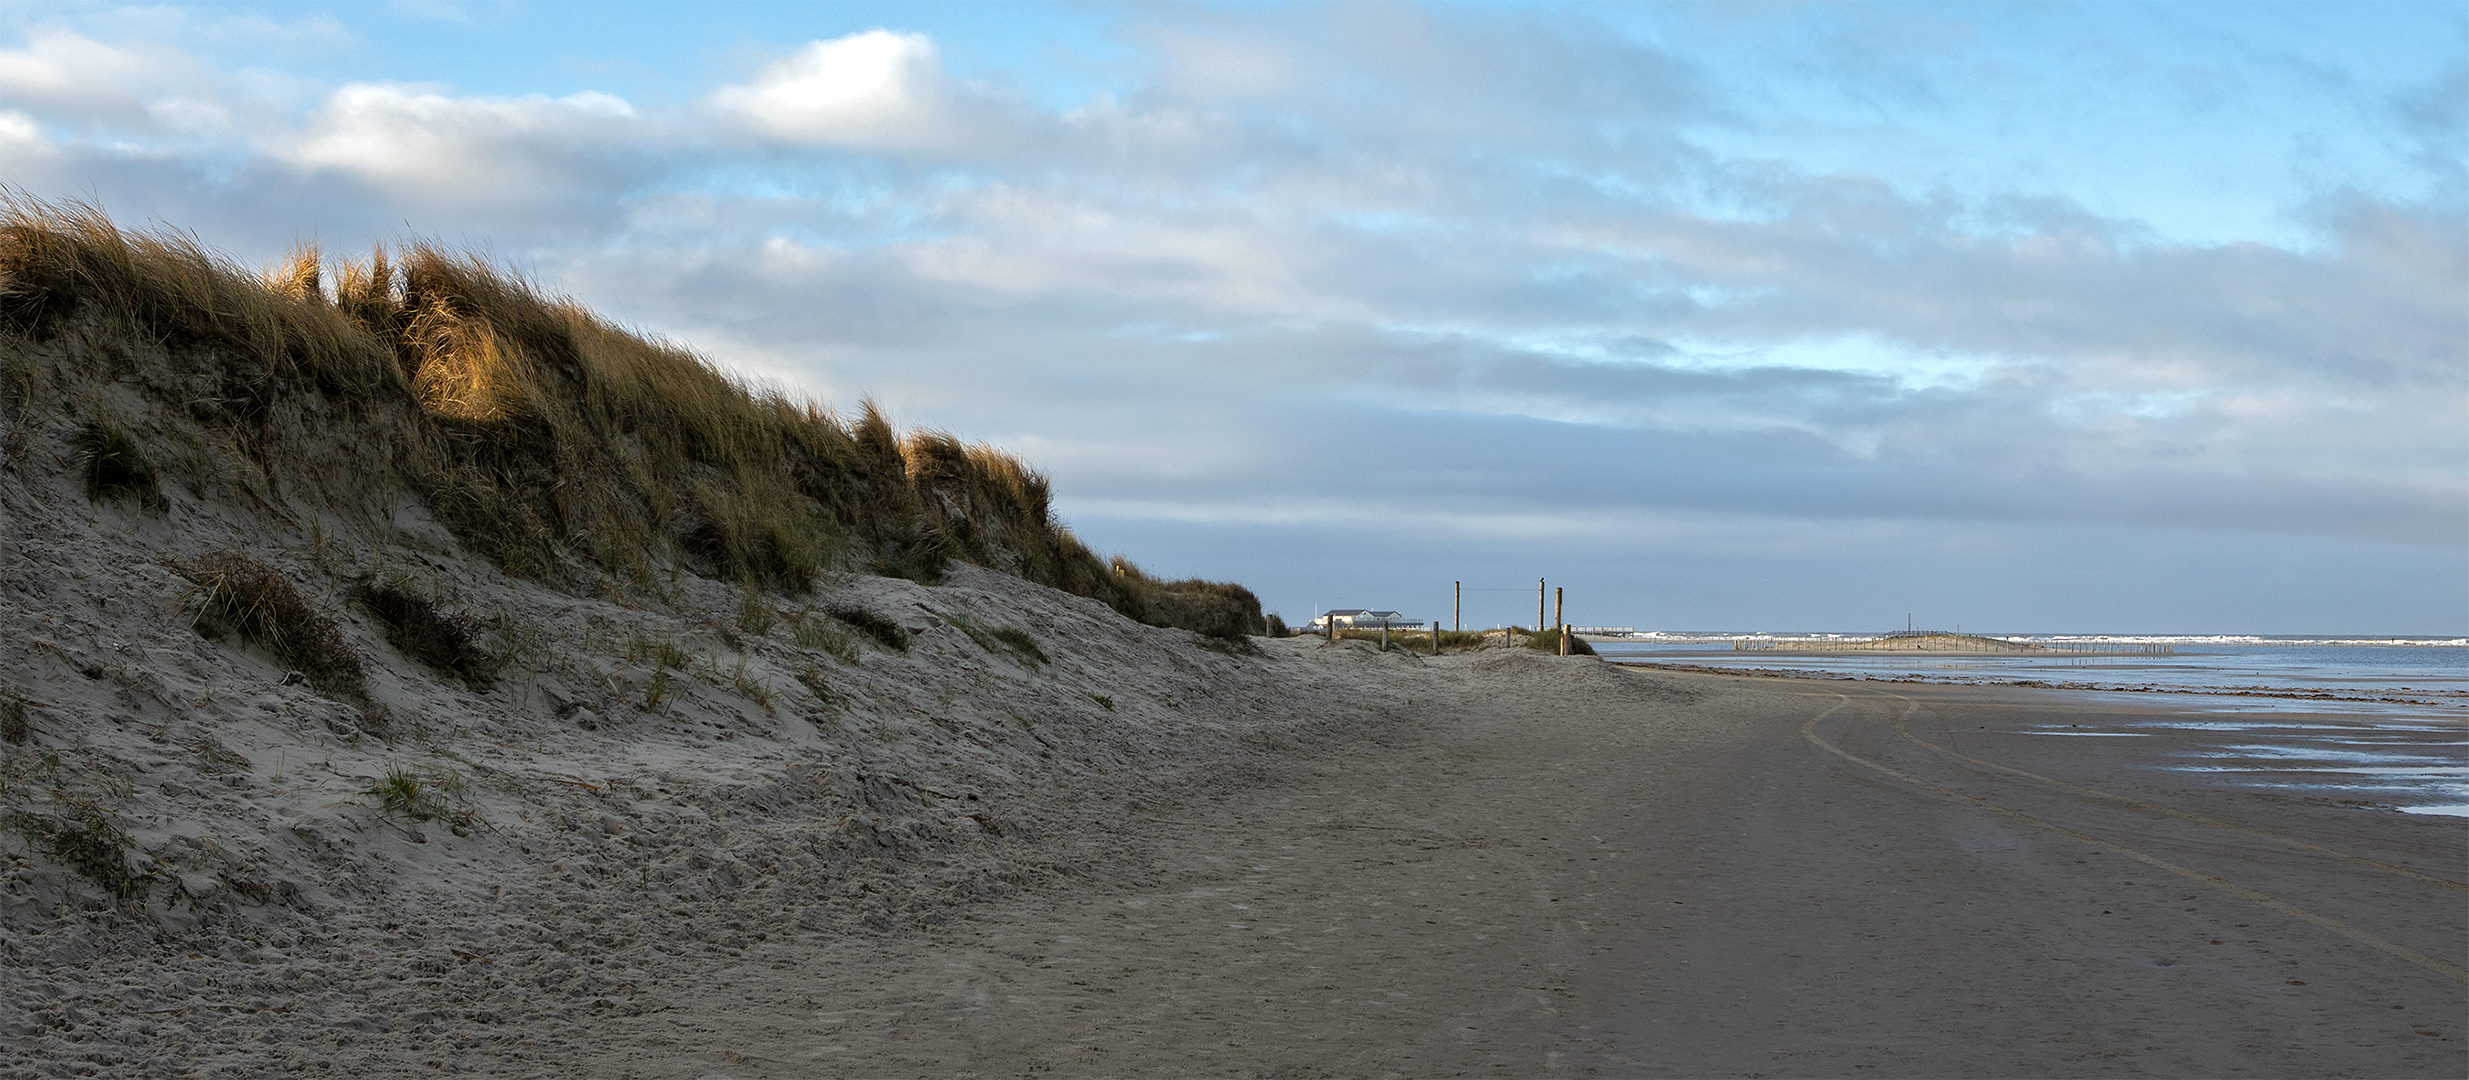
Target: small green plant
{"x": 889, "y": 634}
{"x": 243, "y": 596}
{"x": 755, "y": 616}
{"x": 1104, "y": 700}
{"x": 405, "y": 793}
{"x": 112, "y": 463}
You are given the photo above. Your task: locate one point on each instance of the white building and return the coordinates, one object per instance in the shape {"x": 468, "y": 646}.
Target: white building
{"x": 1363, "y": 619}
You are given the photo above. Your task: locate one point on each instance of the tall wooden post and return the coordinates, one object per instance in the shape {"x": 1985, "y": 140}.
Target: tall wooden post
{"x": 1457, "y": 605}
{"x": 1560, "y": 624}
{"x": 1332, "y": 627}
{"x": 1539, "y": 590}
{"x": 1435, "y": 637}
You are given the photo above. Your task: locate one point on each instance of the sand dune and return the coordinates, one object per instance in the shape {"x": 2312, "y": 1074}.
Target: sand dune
{"x": 1318, "y": 861}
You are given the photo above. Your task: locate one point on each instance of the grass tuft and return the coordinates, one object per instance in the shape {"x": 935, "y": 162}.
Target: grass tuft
{"x": 112, "y": 463}
{"x": 1006, "y": 641}
{"x": 413, "y": 625}
{"x": 827, "y": 635}
{"x": 416, "y": 797}
{"x": 240, "y": 595}
{"x": 1549, "y": 641}
{"x": 889, "y": 634}
{"x": 87, "y": 842}
{"x": 755, "y": 616}
{"x": 1022, "y": 645}
{"x": 662, "y": 652}
{"x": 658, "y": 692}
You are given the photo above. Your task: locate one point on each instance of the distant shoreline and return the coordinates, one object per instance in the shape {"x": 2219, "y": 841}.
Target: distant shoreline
{"x": 2031, "y": 684}
{"x": 1669, "y": 637}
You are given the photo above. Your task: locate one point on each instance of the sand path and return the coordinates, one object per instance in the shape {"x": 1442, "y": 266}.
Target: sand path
{"x": 1574, "y": 869}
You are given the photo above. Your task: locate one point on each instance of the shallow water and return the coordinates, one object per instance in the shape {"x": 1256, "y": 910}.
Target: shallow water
{"x": 2378, "y": 724}
{"x": 2434, "y": 672}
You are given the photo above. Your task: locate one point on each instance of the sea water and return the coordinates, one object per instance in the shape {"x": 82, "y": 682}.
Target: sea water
{"x": 2377, "y": 721}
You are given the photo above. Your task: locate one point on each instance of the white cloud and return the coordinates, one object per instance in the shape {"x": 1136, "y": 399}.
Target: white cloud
{"x": 875, "y": 90}
{"x": 430, "y": 148}
{"x": 21, "y": 137}
{"x": 77, "y": 80}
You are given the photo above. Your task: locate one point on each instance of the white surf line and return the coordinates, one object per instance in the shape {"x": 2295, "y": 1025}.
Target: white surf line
{"x": 2435, "y": 964}
{"x": 1903, "y": 728}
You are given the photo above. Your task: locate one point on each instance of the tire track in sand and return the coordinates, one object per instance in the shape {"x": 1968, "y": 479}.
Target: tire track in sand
{"x": 2434, "y": 964}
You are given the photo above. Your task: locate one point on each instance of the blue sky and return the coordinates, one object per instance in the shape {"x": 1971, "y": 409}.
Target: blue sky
{"x": 2024, "y": 317}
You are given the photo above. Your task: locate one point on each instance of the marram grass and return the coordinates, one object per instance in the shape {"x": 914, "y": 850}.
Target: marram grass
{"x": 561, "y": 445}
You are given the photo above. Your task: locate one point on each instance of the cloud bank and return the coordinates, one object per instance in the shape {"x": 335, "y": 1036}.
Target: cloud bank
{"x": 1400, "y": 295}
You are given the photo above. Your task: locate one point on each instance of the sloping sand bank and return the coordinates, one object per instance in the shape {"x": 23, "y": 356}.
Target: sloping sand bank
{"x": 1572, "y": 869}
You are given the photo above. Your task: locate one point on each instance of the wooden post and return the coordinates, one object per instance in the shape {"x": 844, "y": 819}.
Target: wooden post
{"x": 1435, "y": 637}
{"x": 1384, "y": 633}
{"x": 1331, "y": 627}
{"x": 1539, "y": 590}
{"x": 1560, "y": 622}
{"x": 1457, "y": 605}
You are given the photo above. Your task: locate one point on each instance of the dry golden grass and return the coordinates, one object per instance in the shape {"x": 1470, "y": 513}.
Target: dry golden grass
{"x": 563, "y": 446}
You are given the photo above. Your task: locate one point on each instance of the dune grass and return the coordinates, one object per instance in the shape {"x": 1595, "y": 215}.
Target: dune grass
{"x": 563, "y": 446}
{"x": 1549, "y": 641}
{"x": 113, "y": 464}
{"x": 237, "y": 594}
{"x": 412, "y": 623}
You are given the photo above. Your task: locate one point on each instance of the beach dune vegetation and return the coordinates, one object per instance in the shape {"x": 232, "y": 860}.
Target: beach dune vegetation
{"x": 565, "y": 447}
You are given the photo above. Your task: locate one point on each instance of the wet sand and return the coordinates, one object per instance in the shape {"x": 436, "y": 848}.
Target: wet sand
{"x": 1560, "y": 867}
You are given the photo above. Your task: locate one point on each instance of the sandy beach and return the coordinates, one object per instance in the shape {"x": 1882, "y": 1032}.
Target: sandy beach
{"x": 1489, "y": 864}
{"x": 1557, "y": 868}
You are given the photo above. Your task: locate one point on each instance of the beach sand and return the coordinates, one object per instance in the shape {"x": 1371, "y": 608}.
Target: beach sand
{"x": 1321, "y": 861}
{"x": 1557, "y": 867}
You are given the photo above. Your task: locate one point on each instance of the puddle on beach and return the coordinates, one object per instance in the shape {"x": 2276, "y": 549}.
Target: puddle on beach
{"x": 2391, "y": 756}
{"x": 2413, "y": 758}
{"x": 2413, "y": 775}
{"x": 2093, "y": 734}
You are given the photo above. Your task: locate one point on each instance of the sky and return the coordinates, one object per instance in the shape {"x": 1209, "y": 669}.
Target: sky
{"x": 2025, "y": 318}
